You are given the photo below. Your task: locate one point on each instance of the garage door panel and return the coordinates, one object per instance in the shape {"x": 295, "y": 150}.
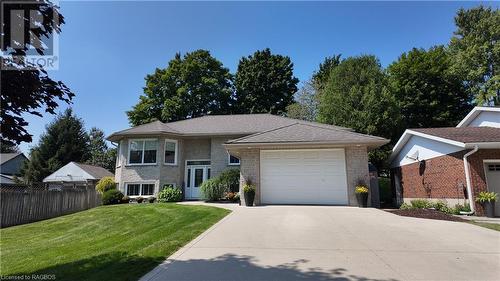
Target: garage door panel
{"x": 303, "y": 177}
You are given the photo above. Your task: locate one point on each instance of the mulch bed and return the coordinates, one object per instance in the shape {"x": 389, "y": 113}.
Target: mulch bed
{"x": 426, "y": 214}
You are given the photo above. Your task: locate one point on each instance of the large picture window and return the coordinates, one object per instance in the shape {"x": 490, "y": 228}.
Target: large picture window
{"x": 142, "y": 151}
{"x": 171, "y": 152}
{"x": 140, "y": 189}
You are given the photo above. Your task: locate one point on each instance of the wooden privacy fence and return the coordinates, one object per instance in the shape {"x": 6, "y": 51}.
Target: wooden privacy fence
{"x": 23, "y": 204}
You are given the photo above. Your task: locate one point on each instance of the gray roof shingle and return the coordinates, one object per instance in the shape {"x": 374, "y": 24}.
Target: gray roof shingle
{"x": 95, "y": 171}
{"x": 464, "y": 134}
{"x": 4, "y": 157}
{"x": 308, "y": 133}
{"x": 238, "y": 124}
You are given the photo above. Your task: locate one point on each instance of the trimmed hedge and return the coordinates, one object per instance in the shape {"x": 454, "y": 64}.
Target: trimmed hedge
{"x": 169, "y": 194}
{"x": 112, "y": 197}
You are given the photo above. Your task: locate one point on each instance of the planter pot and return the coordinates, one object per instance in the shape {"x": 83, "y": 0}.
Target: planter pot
{"x": 249, "y": 197}
{"x": 489, "y": 209}
{"x": 362, "y": 199}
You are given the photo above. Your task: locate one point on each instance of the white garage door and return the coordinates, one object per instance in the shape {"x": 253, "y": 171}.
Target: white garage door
{"x": 303, "y": 176}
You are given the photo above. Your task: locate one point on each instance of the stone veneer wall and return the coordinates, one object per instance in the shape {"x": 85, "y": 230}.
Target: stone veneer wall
{"x": 219, "y": 156}
{"x": 250, "y": 170}
{"x": 357, "y": 171}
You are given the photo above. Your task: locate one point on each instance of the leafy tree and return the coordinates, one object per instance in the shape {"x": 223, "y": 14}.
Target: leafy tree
{"x": 321, "y": 76}
{"x": 357, "y": 96}
{"x": 476, "y": 52}
{"x": 100, "y": 153}
{"x": 28, "y": 89}
{"x": 7, "y": 147}
{"x": 264, "y": 83}
{"x": 65, "y": 140}
{"x": 191, "y": 86}
{"x": 428, "y": 92}
{"x": 306, "y": 105}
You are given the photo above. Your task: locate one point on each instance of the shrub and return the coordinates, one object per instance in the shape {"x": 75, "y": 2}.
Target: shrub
{"x": 139, "y": 200}
{"x": 442, "y": 206}
{"x": 151, "y": 199}
{"x": 461, "y": 208}
{"x": 421, "y": 204}
{"x": 230, "y": 179}
{"x": 484, "y": 197}
{"x": 405, "y": 206}
{"x": 361, "y": 189}
{"x": 231, "y": 196}
{"x": 112, "y": 197}
{"x": 125, "y": 200}
{"x": 105, "y": 184}
{"x": 169, "y": 194}
{"x": 212, "y": 189}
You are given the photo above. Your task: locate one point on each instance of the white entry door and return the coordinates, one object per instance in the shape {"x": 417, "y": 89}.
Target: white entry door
{"x": 493, "y": 182}
{"x": 195, "y": 176}
{"x": 303, "y": 176}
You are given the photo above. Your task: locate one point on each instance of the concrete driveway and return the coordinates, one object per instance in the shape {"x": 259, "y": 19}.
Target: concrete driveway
{"x": 334, "y": 243}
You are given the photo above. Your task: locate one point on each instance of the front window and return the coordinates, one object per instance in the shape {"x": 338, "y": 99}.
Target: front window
{"x": 171, "y": 152}
{"x": 142, "y": 151}
{"x": 233, "y": 160}
{"x": 140, "y": 189}
{"x": 133, "y": 189}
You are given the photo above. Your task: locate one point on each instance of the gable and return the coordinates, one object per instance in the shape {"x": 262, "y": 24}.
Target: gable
{"x": 69, "y": 173}
{"x": 423, "y": 149}
{"x": 486, "y": 118}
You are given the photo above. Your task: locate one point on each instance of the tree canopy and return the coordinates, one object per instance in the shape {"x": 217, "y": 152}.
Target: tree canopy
{"x": 357, "y": 96}
{"x": 100, "y": 154}
{"x": 28, "y": 89}
{"x": 306, "y": 103}
{"x": 264, "y": 83}
{"x": 192, "y": 85}
{"x": 429, "y": 94}
{"x": 476, "y": 52}
{"x": 64, "y": 140}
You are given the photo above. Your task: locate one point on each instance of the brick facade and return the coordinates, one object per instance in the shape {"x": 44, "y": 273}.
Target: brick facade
{"x": 444, "y": 177}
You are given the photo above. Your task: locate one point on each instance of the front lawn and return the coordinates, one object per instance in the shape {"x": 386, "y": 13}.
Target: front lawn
{"x": 121, "y": 242}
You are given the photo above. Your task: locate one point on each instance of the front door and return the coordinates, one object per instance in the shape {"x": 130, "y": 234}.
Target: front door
{"x": 493, "y": 182}
{"x": 195, "y": 175}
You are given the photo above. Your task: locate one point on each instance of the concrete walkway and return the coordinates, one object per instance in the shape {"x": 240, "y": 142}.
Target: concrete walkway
{"x": 333, "y": 243}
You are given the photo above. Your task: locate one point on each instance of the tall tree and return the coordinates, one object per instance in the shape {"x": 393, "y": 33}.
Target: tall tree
{"x": 27, "y": 88}
{"x": 192, "y": 85}
{"x": 428, "y": 92}
{"x": 357, "y": 96}
{"x": 321, "y": 76}
{"x": 65, "y": 140}
{"x": 476, "y": 52}
{"x": 100, "y": 154}
{"x": 306, "y": 105}
{"x": 264, "y": 83}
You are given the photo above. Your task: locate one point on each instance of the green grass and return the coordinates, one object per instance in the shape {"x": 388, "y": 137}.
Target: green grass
{"x": 494, "y": 226}
{"x": 121, "y": 242}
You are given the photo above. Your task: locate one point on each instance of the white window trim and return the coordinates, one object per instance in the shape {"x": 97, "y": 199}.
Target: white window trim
{"x": 176, "y": 152}
{"x": 140, "y": 189}
{"x": 229, "y": 160}
{"x": 142, "y": 164}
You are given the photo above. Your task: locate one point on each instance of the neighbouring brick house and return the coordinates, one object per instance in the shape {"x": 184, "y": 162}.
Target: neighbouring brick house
{"x": 289, "y": 161}
{"x": 452, "y": 164}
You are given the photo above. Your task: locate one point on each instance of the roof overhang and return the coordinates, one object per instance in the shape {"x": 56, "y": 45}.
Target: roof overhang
{"x": 469, "y": 145}
{"x": 237, "y": 146}
{"x": 474, "y": 113}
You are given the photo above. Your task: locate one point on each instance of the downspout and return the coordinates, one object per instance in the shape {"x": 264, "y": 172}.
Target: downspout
{"x": 468, "y": 181}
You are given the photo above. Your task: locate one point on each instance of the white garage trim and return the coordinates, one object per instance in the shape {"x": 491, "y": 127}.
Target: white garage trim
{"x": 303, "y": 176}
